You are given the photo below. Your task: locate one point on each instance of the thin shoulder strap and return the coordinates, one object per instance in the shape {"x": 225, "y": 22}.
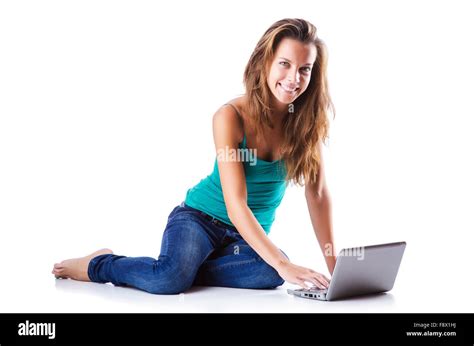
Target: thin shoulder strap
{"x": 244, "y": 141}
{"x": 235, "y": 108}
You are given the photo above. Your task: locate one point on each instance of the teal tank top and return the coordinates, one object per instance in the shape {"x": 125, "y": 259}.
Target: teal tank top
{"x": 266, "y": 187}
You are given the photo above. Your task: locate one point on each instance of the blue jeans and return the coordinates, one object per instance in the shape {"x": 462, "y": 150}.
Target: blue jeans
{"x": 196, "y": 249}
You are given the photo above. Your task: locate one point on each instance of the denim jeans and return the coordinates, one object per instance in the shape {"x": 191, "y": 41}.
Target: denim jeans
{"x": 196, "y": 249}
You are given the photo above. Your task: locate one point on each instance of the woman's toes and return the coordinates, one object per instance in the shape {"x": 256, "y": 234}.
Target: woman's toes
{"x": 59, "y": 273}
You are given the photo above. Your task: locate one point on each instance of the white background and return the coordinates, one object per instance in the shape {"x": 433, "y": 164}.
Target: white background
{"x": 105, "y": 122}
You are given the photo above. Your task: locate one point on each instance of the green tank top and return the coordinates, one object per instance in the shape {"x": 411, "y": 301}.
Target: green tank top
{"x": 266, "y": 187}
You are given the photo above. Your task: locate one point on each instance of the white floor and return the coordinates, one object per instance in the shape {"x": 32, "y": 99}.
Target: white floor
{"x": 44, "y": 294}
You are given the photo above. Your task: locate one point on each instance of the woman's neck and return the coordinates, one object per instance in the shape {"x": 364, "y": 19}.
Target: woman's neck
{"x": 277, "y": 118}
{"x": 279, "y": 112}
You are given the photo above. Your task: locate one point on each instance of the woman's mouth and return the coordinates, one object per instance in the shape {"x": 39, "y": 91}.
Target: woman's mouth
{"x": 287, "y": 89}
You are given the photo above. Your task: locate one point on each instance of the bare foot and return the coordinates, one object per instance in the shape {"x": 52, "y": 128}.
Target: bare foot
{"x": 76, "y": 268}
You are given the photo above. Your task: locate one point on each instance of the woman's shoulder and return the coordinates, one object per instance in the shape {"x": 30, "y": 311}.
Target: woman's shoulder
{"x": 238, "y": 105}
{"x": 228, "y": 118}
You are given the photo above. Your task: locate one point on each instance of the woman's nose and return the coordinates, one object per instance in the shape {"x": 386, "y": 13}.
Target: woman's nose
{"x": 293, "y": 77}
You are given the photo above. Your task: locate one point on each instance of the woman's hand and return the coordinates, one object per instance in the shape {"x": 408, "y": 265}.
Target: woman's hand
{"x": 300, "y": 275}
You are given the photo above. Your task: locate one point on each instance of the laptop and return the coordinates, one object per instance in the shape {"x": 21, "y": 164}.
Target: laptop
{"x": 360, "y": 271}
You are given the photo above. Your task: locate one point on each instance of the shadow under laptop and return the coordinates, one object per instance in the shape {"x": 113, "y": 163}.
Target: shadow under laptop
{"x": 374, "y": 302}
{"x": 381, "y": 296}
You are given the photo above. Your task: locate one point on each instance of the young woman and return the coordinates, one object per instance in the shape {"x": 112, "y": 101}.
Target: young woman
{"x": 218, "y": 235}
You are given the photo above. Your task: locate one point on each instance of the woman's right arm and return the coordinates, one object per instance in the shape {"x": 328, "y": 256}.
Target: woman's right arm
{"x": 227, "y": 130}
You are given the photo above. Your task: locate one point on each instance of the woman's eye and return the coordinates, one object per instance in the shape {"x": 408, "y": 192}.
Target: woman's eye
{"x": 307, "y": 69}
{"x": 284, "y": 63}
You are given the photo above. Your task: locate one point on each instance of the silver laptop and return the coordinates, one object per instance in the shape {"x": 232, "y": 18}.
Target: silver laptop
{"x": 360, "y": 271}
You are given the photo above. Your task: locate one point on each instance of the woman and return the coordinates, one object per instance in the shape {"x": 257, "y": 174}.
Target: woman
{"x": 218, "y": 235}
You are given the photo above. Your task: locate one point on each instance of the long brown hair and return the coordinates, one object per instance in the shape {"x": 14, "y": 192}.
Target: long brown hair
{"x": 308, "y": 124}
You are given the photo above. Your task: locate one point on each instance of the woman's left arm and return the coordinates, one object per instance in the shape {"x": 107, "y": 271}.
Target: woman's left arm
{"x": 319, "y": 206}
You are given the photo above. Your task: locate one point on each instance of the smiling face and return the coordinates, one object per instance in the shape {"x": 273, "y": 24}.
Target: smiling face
{"x": 290, "y": 71}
